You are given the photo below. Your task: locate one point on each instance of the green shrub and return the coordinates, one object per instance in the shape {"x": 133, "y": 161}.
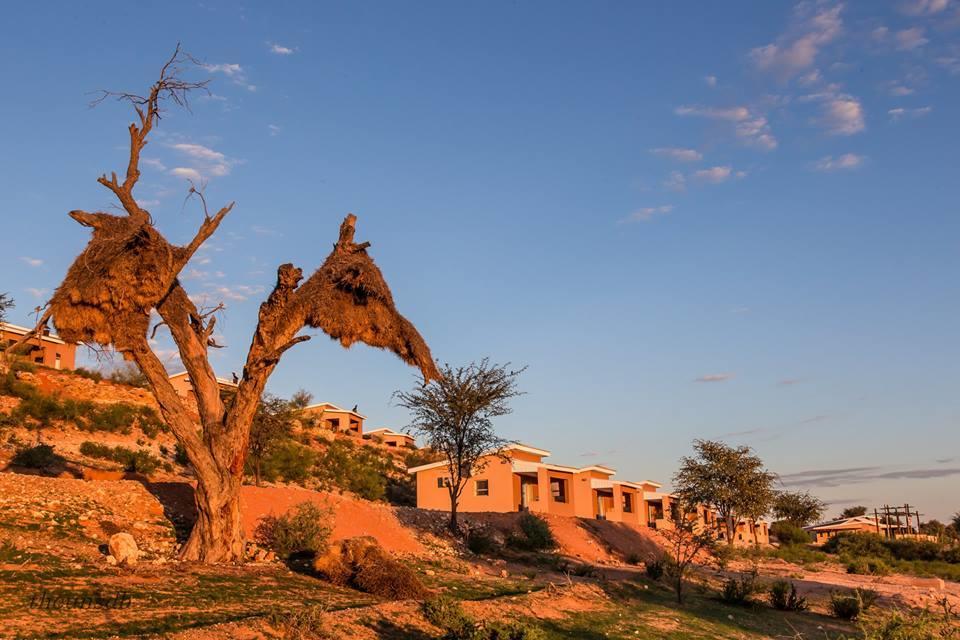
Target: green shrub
{"x": 480, "y": 542}
{"x": 96, "y": 376}
{"x": 895, "y": 624}
{"x": 447, "y": 614}
{"x": 532, "y": 534}
{"x": 849, "y": 606}
{"x": 868, "y": 566}
{"x": 139, "y": 461}
{"x": 288, "y": 460}
{"x": 180, "y": 455}
{"x": 857, "y": 545}
{"x": 362, "y": 470}
{"x": 789, "y": 534}
{"x": 845, "y": 607}
{"x": 40, "y": 456}
{"x": 21, "y": 364}
{"x": 633, "y": 559}
{"x": 305, "y": 528}
{"x": 129, "y": 375}
{"x": 739, "y": 591}
{"x": 784, "y": 597}
{"x": 655, "y": 569}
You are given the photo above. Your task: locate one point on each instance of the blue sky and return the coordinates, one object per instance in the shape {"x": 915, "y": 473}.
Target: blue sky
{"x": 720, "y": 220}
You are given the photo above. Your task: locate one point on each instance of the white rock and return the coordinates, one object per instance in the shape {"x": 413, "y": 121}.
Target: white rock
{"x": 124, "y": 549}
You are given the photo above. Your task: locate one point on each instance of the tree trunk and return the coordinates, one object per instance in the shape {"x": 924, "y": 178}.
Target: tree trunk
{"x": 217, "y": 535}
{"x": 728, "y": 521}
{"x": 454, "y": 525}
{"x": 256, "y": 471}
{"x": 680, "y": 588}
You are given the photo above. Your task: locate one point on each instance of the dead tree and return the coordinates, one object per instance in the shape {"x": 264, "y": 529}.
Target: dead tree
{"x": 129, "y": 269}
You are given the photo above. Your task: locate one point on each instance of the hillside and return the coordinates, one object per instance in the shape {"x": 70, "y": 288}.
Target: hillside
{"x": 55, "y": 524}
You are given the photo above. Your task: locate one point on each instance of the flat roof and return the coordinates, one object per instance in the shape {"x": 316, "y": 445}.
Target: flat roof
{"x": 229, "y": 383}
{"x": 334, "y": 407}
{"x": 15, "y": 328}
{"x": 389, "y": 431}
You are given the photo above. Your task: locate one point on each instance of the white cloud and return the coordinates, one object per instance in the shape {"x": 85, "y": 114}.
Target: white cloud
{"x": 281, "y": 50}
{"x": 715, "y": 377}
{"x": 264, "y": 231}
{"x": 206, "y": 162}
{"x": 923, "y": 7}
{"x": 716, "y": 175}
{"x": 233, "y": 71}
{"x": 711, "y": 81}
{"x": 798, "y": 48}
{"x": 37, "y": 293}
{"x": 810, "y": 78}
{"x": 237, "y": 292}
{"x": 153, "y": 162}
{"x": 909, "y": 39}
{"x": 843, "y": 115}
{"x": 678, "y": 153}
{"x": 33, "y": 262}
{"x": 676, "y": 181}
{"x": 733, "y": 114}
{"x": 187, "y": 173}
{"x": 274, "y": 129}
{"x": 900, "y": 90}
{"x": 648, "y": 213}
{"x": 750, "y": 127}
{"x": 840, "y": 163}
{"x": 900, "y": 113}
{"x": 148, "y": 203}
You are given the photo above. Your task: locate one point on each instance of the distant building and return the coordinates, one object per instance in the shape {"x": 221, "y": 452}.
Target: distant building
{"x": 517, "y": 479}
{"x": 338, "y": 420}
{"x": 861, "y": 524}
{"x": 184, "y": 387}
{"x": 392, "y": 438}
{"x": 46, "y": 349}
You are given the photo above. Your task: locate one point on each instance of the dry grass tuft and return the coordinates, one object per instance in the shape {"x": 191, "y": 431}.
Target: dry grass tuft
{"x": 363, "y": 564}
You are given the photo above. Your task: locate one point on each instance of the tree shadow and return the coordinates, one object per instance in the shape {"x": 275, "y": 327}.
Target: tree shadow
{"x": 388, "y": 630}
{"x": 178, "y": 504}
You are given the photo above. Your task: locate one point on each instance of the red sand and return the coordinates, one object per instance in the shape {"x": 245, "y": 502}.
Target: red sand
{"x": 352, "y": 517}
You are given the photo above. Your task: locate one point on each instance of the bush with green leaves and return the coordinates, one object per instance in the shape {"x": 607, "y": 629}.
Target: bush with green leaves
{"x": 532, "y": 534}
{"x": 788, "y": 533}
{"x": 740, "y": 591}
{"x": 849, "y": 606}
{"x": 89, "y": 374}
{"x": 288, "y": 460}
{"x": 784, "y": 597}
{"x": 40, "y": 456}
{"x": 655, "y": 569}
{"x": 480, "y": 542}
{"x": 868, "y": 567}
{"x": 306, "y": 528}
{"x": 447, "y": 614}
{"x": 362, "y": 470}
{"x": 134, "y": 461}
{"x": 895, "y": 624}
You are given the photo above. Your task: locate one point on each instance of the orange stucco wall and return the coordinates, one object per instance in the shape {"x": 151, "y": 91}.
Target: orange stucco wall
{"x": 503, "y": 491}
{"x": 45, "y": 353}
{"x": 341, "y": 421}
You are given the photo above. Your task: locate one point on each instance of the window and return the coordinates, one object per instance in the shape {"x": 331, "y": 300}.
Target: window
{"x": 627, "y": 503}
{"x": 483, "y": 487}
{"x": 558, "y": 489}
{"x": 443, "y": 483}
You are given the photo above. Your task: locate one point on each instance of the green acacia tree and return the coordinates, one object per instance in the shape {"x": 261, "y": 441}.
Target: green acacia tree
{"x": 6, "y": 303}
{"x": 732, "y": 480}
{"x": 799, "y": 508}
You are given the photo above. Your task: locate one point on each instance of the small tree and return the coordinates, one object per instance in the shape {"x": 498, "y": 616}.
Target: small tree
{"x": 271, "y": 424}
{"x": 684, "y": 541}
{"x": 455, "y": 413}
{"x": 799, "y": 508}
{"x": 6, "y": 303}
{"x": 853, "y": 512}
{"x": 301, "y": 399}
{"x": 731, "y": 480}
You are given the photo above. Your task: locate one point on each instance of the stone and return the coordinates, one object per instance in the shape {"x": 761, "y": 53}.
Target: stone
{"x": 504, "y": 573}
{"x": 123, "y": 548}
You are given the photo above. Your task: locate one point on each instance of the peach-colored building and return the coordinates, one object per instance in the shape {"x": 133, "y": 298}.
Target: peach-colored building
{"x": 391, "y": 438}
{"x": 184, "y": 388}
{"x": 863, "y": 524}
{"x": 47, "y": 349}
{"x": 743, "y": 533}
{"x": 336, "y": 419}
{"x": 517, "y": 479}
